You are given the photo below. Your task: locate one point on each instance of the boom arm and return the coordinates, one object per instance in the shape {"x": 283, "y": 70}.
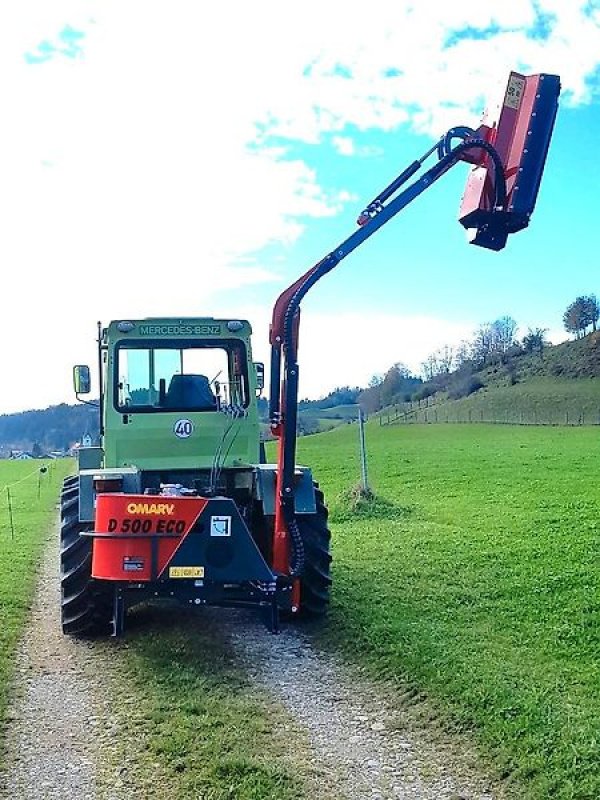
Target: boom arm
{"x": 494, "y": 213}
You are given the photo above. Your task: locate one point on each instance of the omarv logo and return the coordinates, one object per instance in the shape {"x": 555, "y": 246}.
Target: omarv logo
{"x": 147, "y": 509}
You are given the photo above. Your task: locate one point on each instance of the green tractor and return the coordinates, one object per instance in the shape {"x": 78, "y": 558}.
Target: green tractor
{"x": 178, "y": 501}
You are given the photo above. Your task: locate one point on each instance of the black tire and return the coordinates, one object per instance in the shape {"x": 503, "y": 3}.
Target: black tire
{"x": 86, "y": 606}
{"x": 315, "y": 582}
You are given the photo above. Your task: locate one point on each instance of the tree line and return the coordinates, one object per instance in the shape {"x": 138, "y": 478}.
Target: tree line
{"x": 55, "y": 428}
{"x": 581, "y": 314}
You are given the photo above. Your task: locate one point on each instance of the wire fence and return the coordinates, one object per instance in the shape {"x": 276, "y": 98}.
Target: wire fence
{"x": 21, "y": 495}
{"x": 442, "y": 413}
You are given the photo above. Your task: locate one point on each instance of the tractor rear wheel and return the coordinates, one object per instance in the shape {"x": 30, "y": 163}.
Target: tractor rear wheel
{"x": 315, "y": 582}
{"x": 86, "y": 607}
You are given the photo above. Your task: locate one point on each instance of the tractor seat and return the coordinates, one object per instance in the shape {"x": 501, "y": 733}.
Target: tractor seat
{"x": 191, "y": 392}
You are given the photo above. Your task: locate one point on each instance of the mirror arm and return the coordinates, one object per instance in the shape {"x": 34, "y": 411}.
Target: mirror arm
{"x": 91, "y": 403}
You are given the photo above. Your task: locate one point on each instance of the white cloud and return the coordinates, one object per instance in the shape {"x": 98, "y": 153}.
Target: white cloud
{"x": 348, "y": 348}
{"x": 138, "y": 173}
{"x": 344, "y": 145}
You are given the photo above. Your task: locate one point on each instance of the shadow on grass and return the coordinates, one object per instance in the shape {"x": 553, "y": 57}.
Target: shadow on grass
{"x": 202, "y": 723}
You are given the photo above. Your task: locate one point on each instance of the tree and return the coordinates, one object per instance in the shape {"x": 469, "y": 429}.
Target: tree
{"x": 591, "y": 310}
{"x": 438, "y": 363}
{"x": 576, "y": 317}
{"x": 535, "y": 340}
{"x": 370, "y": 399}
{"x": 392, "y": 383}
{"x": 483, "y": 344}
{"x": 463, "y": 354}
{"x": 503, "y": 331}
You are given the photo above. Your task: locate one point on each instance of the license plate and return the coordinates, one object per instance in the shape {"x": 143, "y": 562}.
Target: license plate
{"x": 186, "y": 572}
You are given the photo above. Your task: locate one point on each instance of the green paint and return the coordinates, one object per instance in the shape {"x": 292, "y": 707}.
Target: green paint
{"x": 149, "y": 440}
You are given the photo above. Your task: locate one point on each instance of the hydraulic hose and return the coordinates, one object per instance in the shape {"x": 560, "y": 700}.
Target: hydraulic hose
{"x": 297, "y": 566}
{"x": 459, "y": 132}
{"x": 448, "y": 157}
{"x": 476, "y": 144}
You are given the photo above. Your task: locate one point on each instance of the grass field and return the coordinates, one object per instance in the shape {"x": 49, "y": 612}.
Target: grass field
{"x": 33, "y": 515}
{"x": 476, "y": 579}
{"x": 538, "y": 401}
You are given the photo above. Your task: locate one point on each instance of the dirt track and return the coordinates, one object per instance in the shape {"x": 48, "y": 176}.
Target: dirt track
{"x": 365, "y": 743}
{"x": 52, "y": 735}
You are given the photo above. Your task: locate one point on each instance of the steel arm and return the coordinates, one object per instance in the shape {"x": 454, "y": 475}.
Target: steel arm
{"x": 508, "y": 155}
{"x": 286, "y": 317}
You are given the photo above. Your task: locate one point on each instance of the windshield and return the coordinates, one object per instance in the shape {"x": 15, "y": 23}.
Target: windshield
{"x": 195, "y": 376}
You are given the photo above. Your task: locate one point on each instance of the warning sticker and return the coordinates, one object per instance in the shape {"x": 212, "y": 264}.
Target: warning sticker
{"x": 186, "y": 572}
{"x": 133, "y": 564}
{"x": 220, "y": 526}
{"x": 514, "y": 91}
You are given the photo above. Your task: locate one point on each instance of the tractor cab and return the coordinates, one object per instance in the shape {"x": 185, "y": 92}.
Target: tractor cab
{"x": 175, "y": 389}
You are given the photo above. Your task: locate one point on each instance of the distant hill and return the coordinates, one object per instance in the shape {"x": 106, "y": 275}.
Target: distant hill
{"x": 49, "y": 429}
{"x": 558, "y": 386}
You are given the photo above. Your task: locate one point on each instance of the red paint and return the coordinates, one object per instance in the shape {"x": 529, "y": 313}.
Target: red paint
{"x": 508, "y": 133}
{"x": 281, "y": 545}
{"x": 130, "y": 523}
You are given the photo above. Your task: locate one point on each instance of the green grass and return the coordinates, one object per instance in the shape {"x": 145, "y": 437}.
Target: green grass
{"x": 541, "y": 401}
{"x": 476, "y": 578}
{"x": 200, "y": 729}
{"x": 20, "y": 552}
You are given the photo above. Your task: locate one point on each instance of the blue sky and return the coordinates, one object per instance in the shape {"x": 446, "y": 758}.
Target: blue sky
{"x": 171, "y": 160}
{"x": 421, "y": 259}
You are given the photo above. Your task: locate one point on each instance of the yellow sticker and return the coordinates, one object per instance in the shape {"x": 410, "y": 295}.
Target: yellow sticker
{"x": 186, "y": 572}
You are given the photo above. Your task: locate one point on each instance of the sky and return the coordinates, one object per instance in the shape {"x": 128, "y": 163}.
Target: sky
{"x": 193, "y": 159}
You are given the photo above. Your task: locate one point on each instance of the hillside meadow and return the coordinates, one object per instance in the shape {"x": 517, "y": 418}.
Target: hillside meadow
{"x": 537, "y": 401}
{"x": 475, "y": 579}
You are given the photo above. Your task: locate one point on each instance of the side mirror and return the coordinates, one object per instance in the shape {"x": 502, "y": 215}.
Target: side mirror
{"x": 82, "y": 381}
{"x": 259, "y": 371}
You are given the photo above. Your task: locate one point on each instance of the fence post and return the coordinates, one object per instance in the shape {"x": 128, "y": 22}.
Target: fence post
{"x": 10, "y": 513}
{"x": 363, "y": 455}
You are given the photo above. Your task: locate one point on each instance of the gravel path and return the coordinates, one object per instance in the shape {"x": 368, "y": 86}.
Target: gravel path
{"x": 52, "y": 730}
{"x": 367, "y": 745}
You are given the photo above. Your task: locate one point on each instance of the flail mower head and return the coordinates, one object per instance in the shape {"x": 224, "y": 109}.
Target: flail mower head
{"x": 519, "y": 129}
